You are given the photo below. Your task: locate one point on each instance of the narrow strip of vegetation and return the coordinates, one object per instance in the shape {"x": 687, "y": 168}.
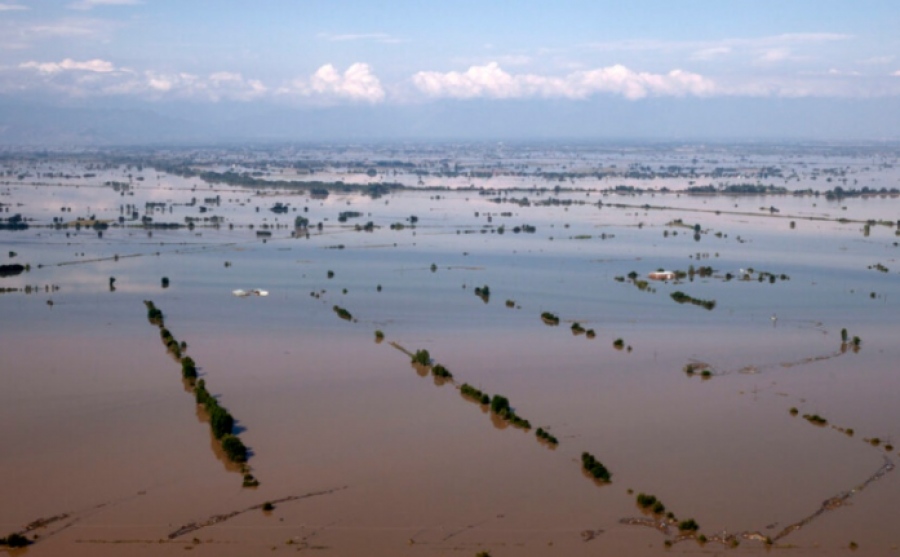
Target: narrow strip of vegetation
{"x": 221, "y": 422}
{"x": 683, "y": 298}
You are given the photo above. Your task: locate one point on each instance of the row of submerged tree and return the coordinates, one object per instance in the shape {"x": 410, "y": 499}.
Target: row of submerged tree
{"x": 683, "y": 298}
{"x": 221, "y": 422}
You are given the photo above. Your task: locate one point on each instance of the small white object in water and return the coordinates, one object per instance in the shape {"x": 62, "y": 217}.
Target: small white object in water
{"x": 254, "y": 292}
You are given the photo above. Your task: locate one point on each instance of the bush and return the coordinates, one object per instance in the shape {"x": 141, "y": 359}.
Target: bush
{"x": 15, "y": 540}
{"x": 343, "y": 313}
{"x": 550, "y": 318}
{"x": 595, "y": 468}
{"x": 442, "y": 372}
{"x": 234, "y": 448}
{"x": 544, "y": 435}
{"x": 220, "y": 421}
{"x": 475, "y": 394}
{"x": 422, "y": 357}
{"x": 500, "y": 405}
{"x": 689, "y": 525}
{"x": 188, "y": 368}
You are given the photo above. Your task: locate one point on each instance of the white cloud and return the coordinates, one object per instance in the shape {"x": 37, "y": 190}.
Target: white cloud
{"x": 95, "y": 65}
{"x": 85, "y": 5}
{"x": 896, "y": 73}
{"x": 11, "y": 7}
{"x": 711, "y": 53}
{"x": 491, "y": 81}
{"x": 774, "y": 55}
{"x": 703, "y": 50}
{"x": 877, "y": 60}
{"x": 357, "y": 83}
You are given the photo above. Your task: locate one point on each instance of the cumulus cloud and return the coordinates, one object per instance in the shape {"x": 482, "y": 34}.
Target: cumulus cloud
{"x": 491, "y": 81}
{"x": 95, "y": 65}
{"x": 357, "y": 83}
{"x": 100, "y": 77}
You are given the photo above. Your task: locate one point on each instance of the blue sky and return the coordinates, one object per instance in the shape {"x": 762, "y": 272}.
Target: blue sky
{"x": 317, "y": 55}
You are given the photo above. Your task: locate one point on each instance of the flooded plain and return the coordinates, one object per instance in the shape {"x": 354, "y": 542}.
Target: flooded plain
{"x": 749, "y": 412}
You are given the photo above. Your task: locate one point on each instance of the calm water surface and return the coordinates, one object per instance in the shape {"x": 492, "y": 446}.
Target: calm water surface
{"x": 96, "y": 423}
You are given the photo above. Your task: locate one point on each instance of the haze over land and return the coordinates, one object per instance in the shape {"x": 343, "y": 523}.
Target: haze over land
{"x": 132, "y": 71}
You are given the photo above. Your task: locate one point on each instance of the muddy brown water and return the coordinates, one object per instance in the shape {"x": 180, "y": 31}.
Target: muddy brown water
{"x": 96, "y": 424}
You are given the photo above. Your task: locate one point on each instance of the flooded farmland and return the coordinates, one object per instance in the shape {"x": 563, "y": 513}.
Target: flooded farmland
{"x": 746, "y": 402}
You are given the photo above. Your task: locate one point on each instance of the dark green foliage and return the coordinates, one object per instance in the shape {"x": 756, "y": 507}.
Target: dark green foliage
{"x": 501, "y": 408}
{"x": 343, "y": 216}
{"x": 499, "y": 404}
{"x": 577, "y": 329}
{"x": 188, "y": 368}
{"x": 154, "y": 315}
{"x": 843, "y": 335}
{"x": 422, "y": 357}
{"x": 471, "y": 392}
{"x": 15, "y": 540}
{"x": 510, "y": 303}
{"x": 595, "y": 468}
{"x": 234, "y": 448}
{"x": 343, "y": 313}
{"x": 220, "y": 420}
{"x": 250, "y": 480}
{"x": 815, "y": 419}
{"x": 550, "y": 318}
{"x": 856, "y": 341}
{"x": 267, "y": 506}
{"x": 683, "y": 298}
{"x": 484, "y": 292}
{"x": 165, "y": 282}
{"x": 201, "y": 395}
{"x": 650, "y": 502}
{"x": 543, "y": 435}
{"x": 440, "y": 371}
{"x": 619, "y": 343}
{"x": 689, "y": 525}
{"x": 645, "y": 501}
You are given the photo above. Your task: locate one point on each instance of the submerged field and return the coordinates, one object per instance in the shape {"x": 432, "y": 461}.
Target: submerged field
{"x": 738, "y": 403}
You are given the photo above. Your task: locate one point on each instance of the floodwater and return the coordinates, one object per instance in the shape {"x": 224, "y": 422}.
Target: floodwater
{"x": 97, "y": 425}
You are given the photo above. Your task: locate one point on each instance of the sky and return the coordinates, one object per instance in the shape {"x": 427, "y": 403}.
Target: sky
{"x": 805, "y": 68}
